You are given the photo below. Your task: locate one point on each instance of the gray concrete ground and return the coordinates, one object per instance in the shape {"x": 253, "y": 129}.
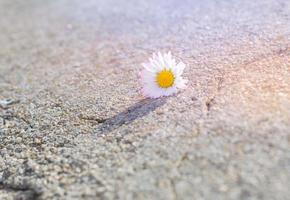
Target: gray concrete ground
{"x": 74, "y": 126}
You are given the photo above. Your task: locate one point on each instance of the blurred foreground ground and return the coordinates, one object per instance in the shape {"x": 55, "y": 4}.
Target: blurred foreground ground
{"x": 77, "y": 128}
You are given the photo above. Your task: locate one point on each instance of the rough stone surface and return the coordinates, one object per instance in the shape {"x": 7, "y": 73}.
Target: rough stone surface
{"x": 74, "y": 126}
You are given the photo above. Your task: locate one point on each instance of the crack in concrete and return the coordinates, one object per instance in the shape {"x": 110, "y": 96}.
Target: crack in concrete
{"x": 280, "y": 52}
{"x": 209, "y": 104}
{"x": 211, "y": 101}
{"x": 24, "y": 192}
{"x": 92, "y": 118}
{"x": 173, "y": 188}
{"x": 12, "y": 115}
{"x": 7, "y": 102}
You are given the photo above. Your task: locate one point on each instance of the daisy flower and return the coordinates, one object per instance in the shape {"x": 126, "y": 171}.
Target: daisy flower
{"x": 161, "y": 76}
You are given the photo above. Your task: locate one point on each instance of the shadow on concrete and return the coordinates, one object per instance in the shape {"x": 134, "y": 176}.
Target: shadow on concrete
{"x": 139, "y": 109}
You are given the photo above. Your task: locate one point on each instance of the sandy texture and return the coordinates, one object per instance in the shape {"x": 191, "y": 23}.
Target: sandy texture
{"x": 74, "y": 126}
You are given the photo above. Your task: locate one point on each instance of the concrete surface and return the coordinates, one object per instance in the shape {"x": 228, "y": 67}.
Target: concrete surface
{"x": 73, "y": 125}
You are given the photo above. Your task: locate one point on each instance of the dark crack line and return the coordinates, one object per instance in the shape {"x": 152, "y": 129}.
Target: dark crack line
{"x": 92, "y": 118}
{"x": 9, "y": 117}
{"x": 280, "y": 52}
{"x": 26, "y": 192}
{"x": 172, "y": 184}
{"x": 4, "y": 104}
{"x": 211, "y": 101}
{"x": 209, "y": 104}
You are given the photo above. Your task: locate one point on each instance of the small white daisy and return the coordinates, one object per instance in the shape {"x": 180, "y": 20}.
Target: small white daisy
{"x": 161, "y": 76}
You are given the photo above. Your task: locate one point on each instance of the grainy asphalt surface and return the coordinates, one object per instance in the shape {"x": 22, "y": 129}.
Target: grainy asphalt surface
{"x": 76, "y": 127}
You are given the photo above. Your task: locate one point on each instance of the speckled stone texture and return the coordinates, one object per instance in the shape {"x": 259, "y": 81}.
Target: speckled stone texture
{"x": 74, "y": 126}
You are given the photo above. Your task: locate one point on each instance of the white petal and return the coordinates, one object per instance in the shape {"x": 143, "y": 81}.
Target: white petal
{"x": 180, "y": 66}
{"x": 149, "y": 67}
{"x": 181, "y": 83}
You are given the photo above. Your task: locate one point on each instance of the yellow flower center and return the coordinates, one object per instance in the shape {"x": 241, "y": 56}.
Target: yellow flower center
{"x": 165, "y": 78}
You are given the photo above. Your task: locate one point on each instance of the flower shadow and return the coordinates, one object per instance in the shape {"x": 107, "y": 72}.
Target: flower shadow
{"x": 139, "y": 109}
